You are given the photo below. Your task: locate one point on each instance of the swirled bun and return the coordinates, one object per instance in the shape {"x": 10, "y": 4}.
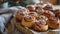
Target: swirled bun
{"x": 39, "y": 10}
{"x": 53, "y": 22}
{"x": 43, "y": 17}
{"x": 31, "y": 8}
{"x": 48, "y": 13}
{"x": 28, "y": 21}
{"x": 47, "y": 7}
{"x": 40, "y": 25}
{"x": 21, "y": 13}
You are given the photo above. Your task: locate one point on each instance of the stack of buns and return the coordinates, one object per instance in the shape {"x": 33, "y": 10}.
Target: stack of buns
{"x": 39, "y": 17}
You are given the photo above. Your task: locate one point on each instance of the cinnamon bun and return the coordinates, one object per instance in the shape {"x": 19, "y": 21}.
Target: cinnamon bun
{"x": 41, "y": 25}
{"x": 48, "y": 13}
{"x": 28, "y": 21}
{"x": 33, "y": 14}
{"x": 39, "y": 10}
{"x": 57, "y": 13}
{"x": 53, "y": 22}
{"x": 47, "y": 7}
{"x": 43, "y": 17}
{"x": 31, "y": 8}
{"x": 21, "y": 13}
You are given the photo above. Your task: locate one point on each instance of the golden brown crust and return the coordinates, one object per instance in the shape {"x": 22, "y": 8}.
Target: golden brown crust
{"x": 36, "y": 28}
{"x": 48, "y": 13}
{"x": 28, "y": 21}
{"x": 57, "y": 13}
{"x": 40, "y": 25}
{"x": 47, "y": 7}
{"x": 21, "y": 13}
{"x": 53, "y": 22}
{"x": 42, "y": 17}
{"x": 39, "y": 10}
{"x": 31, "y": 8}
{"x": 33, "y": 14}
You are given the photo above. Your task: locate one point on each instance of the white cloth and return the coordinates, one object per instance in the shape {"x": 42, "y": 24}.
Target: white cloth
{"x": 4, "y": 18}
{"x": 11, "y": 9}
{"x": 5, "y": 15}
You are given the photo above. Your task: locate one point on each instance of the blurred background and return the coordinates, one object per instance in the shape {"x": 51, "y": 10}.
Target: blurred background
{"x": 9, "y": 3}
{"x": 55, "y": 2}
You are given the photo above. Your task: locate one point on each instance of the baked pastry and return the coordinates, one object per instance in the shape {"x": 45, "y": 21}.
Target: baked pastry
{"x": 40, "y": 25}
{"x": 21, "y": 13}
{"x": 42, "y": 17}
{"x": 28, "y": 21}
{"x": 48, "y": 13}
{"x": 21, "y": 28}
{"x": 31, "y": 8}
{"x": 47, "y": 7}
{"x": 57, "y": 13}
{"x": 36, "y": 27}
{"x": 53, "y": 22}
{"x": 33, "y": 14}
{"x": 39, "y": 10}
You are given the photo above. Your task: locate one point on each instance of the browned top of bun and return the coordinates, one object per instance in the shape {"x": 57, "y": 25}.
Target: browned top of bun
{"x": 33, "y": 14}
{"x": 39, "y": 10}
{"x": 21, "y": 14}
{"x": 54, "y": 19}
{"x": 41, "y": 21}
{"x": 48, "y": 13}
{"x": 57, "y": 11}
{"x": 30, "y": 7}
{"x": 47, "y": 7}
{"x": 43, "y": 17}
{"x": 28, "y": 18}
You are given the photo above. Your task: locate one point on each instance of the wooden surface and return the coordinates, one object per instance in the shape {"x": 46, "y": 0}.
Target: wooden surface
{"x": 52, "y": 1}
